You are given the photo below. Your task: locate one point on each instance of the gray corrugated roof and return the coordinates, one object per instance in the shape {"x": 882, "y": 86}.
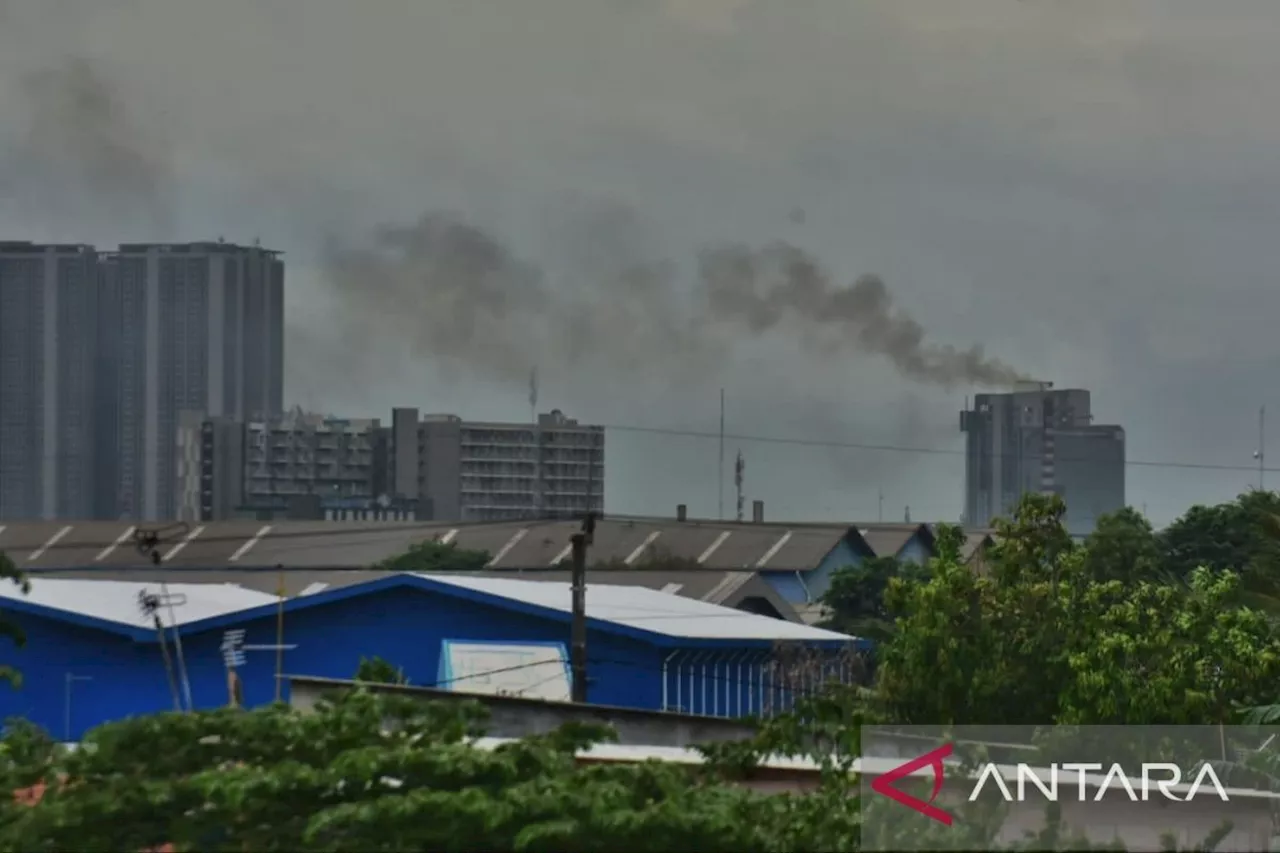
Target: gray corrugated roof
{"x": 887, "y": 540}
{"x": 362, "y": 544}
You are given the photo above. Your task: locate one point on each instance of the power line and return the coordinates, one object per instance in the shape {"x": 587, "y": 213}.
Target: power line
{"x": 932, "y": 451}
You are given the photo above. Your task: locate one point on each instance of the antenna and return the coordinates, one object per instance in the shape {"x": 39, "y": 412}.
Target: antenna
{"x": 533, "y": 395}
{"x": 721, "y": 479}
{"x": 739, "y": 467}
{"x": 233, "y": 650}
{"x": 149, "y": 604}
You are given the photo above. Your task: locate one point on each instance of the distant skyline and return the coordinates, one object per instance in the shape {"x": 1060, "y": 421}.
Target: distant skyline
{"x": 1089, "y": 190}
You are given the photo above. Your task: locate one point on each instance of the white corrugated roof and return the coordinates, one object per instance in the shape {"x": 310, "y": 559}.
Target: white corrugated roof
{"x": 646, "y": 609}
{"x": 117, "y": 601}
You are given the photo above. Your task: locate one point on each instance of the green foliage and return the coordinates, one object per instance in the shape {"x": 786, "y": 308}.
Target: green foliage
{"x": 654, "y": 559}
{"x": 371, "y": 772}
{"x": 376, "y": 670}
{"x": 9, "y": 629}
{"x": 1123, "y": 547}
{"x": 855, "y": 597}
{"x": 432, "y": 556}
{"x": 1042, "y": 637}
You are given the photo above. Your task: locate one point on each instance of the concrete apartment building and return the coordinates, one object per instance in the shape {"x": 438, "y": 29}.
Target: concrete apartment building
{"x": 194, "y": 326}
{"x": 48, "y": 302}
{"x": 296, "y": 465}
{"x": 432, "y": 467}
{"x": 460, "y": 470}
{"x": 1038, "y": 439}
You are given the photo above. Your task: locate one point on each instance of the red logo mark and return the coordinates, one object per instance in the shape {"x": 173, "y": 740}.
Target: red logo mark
{"x": 884, "y": 784}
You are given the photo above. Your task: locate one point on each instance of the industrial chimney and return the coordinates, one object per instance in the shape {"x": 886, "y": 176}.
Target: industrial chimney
{"x": 757, "y": 512}
{"x": 682, "y": 512}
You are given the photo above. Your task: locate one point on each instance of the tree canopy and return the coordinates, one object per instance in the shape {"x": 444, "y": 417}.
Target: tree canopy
{"x": 433, "y": 556}
{"x": 370, "y": 772}
{"x": 10, "y": 630}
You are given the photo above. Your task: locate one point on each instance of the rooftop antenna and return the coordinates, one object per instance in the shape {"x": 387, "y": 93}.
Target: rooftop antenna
{"x": 148, "y": 543}
{"x": 533, "y": 395}
{"x": 149, "y": 604}
{"x": 720, "y": 481}
{"x": 739, "y": 467}
{"x": 233, "y": 657}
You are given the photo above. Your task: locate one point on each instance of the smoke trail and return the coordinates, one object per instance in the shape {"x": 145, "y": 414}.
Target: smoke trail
{"x": 84, "y": 147}
{"x": 763, "y": 288}
{"x": 459, "y": 294}
{"x": 456, "y": 294}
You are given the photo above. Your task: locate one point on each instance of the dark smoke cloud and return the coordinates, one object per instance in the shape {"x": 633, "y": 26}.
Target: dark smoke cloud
{"x": 85, "y": 146}
{"x": 764, "y": 288}
{"x": 459, "y": 296}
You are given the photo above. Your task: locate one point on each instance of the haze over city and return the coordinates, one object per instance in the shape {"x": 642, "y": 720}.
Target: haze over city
{"x": 1082, "y": 190}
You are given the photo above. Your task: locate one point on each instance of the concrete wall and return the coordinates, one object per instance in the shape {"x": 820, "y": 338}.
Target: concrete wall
{"x": 515, "y": 717}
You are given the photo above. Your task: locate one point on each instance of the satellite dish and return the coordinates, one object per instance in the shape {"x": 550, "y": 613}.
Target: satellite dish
{"x": 384, "y": 501}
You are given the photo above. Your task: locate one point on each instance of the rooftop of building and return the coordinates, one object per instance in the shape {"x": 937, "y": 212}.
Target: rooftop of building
{"x": 648, "y": 614}
{"x": 620, "y": 542}
{"x": 196, "y": 247}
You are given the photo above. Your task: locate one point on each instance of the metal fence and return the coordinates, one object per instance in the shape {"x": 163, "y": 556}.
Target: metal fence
{"x": 751, "y": 683}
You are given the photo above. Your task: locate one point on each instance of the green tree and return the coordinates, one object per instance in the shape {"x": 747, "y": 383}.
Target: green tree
{"x": 8, "y": 628}
{"x": 373, "y": 772}
{"x": 432, "y": 556}
{"x": 376, "y": 670}
{"x": 1123, "y": 547}
{"x": 855, "y": 597}
{"x": 1168, "y": 654}
{"x": 1241, "y": 536}
{"x": 1038, "y": 639}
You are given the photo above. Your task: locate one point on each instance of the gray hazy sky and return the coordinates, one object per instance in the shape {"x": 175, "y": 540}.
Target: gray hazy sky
{"x": 1087, "y": 189}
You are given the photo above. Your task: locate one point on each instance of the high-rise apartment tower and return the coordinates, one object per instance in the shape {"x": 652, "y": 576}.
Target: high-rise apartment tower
{"x": 1037, "y": 439}
{"x": 182, "y": 327}
{"x": 48, "y": 303}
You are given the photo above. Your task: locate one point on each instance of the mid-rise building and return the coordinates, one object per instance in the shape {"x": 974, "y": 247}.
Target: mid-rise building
{"x": 296, "y": 465}
{"x": 1038, "y": 439}
{"x": 435, "y": 467}
{"x": 460, "y": 470}
{"x": 182, "y": 327}
{"x": 48, "y": 304}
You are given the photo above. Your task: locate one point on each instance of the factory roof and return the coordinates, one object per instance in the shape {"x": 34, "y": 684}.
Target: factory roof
{"x": 117, "y": 605}
{"x": 637, "y": 612}
{"x": 624, "y": 543}
{"x": 888, "y": 540}
{"x": 644, "y": 609}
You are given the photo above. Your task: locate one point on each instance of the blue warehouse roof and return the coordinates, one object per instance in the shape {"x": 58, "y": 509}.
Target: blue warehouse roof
{"x": 645, "y": 614}
{"x": 116, "y": 605}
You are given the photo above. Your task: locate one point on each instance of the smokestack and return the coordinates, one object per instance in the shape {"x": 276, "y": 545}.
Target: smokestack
{"x": 757, "y": 512}
{"x": 682, "y": 512}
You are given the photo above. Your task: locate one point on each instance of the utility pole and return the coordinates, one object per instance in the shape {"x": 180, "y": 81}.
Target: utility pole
{"x": 1262, "y": 448}
{"x": 578, "y": 635}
